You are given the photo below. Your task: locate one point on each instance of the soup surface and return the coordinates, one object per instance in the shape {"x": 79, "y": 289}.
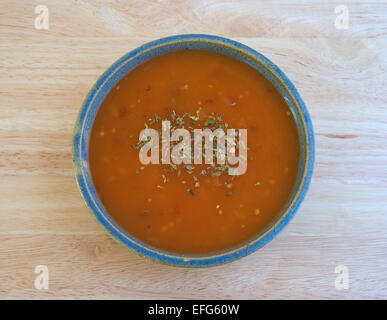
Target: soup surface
{"x": 195, "y": 208}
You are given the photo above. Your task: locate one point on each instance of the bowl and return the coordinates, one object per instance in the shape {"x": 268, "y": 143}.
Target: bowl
{"x": 148, "y": 51}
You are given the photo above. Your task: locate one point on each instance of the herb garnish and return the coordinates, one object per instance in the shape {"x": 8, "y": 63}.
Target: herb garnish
{"x": 213, "y": 122}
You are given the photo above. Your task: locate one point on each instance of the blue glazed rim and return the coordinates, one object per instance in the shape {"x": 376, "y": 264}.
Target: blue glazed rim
{"x": 229, "y": 47}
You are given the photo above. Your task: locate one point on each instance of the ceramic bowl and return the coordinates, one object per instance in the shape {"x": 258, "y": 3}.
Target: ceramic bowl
{"x": 148, "y": 51}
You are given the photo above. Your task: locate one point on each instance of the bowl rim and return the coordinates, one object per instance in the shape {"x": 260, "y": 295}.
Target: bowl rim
{"x": 190, "y": 260}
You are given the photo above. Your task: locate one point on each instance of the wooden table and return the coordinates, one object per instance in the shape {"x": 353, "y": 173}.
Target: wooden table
{"x": 45, "y": 75}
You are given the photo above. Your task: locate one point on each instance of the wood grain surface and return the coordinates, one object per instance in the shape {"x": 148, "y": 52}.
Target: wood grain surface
{"x": 45, "y": 75}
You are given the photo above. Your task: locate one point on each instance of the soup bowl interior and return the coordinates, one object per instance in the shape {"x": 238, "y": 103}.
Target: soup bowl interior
{"x": 148, "y": 51}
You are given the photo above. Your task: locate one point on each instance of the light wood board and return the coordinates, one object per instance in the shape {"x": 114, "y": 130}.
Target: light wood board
{"x": 45, "y": 75}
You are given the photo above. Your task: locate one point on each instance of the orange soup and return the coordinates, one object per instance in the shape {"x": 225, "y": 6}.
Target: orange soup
{"x": 193, "y": 208}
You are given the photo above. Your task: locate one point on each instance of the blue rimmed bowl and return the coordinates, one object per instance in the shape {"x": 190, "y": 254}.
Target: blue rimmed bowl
{"x": 148, "y": 51}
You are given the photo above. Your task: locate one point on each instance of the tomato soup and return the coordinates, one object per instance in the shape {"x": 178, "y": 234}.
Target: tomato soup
{"x": 193, "y": 208}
